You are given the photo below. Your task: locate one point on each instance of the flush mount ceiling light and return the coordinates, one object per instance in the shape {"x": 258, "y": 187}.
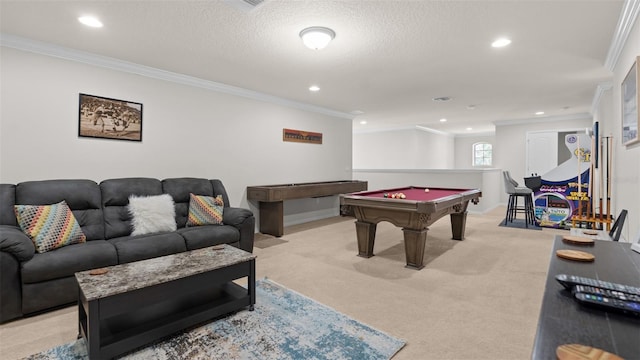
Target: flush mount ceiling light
{"x": 443, "y": 120}
{"x": 317, "y": 37}
{"x": 314, "y": 88}
{"x": 502, "y": 42}
{"x": 90, "y": 21}
{"x": 540, "y": 113}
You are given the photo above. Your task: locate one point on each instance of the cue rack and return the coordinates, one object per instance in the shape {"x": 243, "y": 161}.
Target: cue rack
{"x": 592, "y": 215}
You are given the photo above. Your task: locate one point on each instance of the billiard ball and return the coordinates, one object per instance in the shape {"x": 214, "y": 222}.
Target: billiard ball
{"x": 403, "y": 196}
{"x": 426, "y": 190}
{"x": 386, "y": 195}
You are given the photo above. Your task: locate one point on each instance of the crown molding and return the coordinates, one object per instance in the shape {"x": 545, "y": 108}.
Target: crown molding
{"x": 480, "y": 134}
{"x": 600, "y": 90}
{"x": 543, "y": 119}
{"x": 401, "y": 128}
{"x": 24, "y": 44}
{"x": 433, "y": 131}
{"x": 628, "y": 16}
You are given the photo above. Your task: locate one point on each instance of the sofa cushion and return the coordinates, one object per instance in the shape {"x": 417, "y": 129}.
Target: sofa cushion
{"x": 205, "y": 210}
{"x": 49, "y": 226}
{"x": 152, "y": 214}
{"x": 115, "y": 198}
{"x": 68, "y": 260}
{"x": 82, "y": 197}
{"x": 135, "y": 248}
{"x": 209, "y": 235}
{"x": 44, "y": 295}
{"x": 181, "y": 189}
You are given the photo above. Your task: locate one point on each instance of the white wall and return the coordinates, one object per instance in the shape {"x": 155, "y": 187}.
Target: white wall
{"x": 626, "y": 160}
{"x": 464, "y": 149}
{"x": 187, "y": 131}
{"x": 403, "y": 149}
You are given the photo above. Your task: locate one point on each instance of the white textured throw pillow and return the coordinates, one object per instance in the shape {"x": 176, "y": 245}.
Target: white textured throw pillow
{"x": 152, "y": 214}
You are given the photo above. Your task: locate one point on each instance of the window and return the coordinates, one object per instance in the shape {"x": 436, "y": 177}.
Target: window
{"x": 482, "y": 154}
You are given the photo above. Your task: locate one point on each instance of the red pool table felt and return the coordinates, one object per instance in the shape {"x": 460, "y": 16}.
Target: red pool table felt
{"x": 413, "y": 193}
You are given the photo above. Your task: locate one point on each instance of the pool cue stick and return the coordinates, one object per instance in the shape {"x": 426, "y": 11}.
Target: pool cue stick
{"x": 608, "y": 184}
{"x": 609, "y": 160}
{"x": 579, "y": 156}
{"x": 601, "y": 182}
{"x": 590, "y": 189}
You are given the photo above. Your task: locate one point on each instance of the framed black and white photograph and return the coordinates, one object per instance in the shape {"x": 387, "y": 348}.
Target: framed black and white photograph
{"x": 101, "y": 117}
{"x": 630, "y": 100}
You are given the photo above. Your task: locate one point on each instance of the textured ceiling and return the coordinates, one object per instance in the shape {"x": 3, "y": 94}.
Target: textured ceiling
{"x": 388, "y": 60}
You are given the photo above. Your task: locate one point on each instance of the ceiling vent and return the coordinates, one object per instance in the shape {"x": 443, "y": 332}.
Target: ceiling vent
{"x": 246, "y": 5}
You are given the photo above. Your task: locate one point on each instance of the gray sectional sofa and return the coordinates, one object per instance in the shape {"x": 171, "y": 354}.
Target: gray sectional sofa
{"x": 32, "y": 282}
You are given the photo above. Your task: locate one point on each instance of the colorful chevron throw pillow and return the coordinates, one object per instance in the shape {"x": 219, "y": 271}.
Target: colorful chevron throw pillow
{"x": 205, "y": 210}
{"x": 49, "y": 226}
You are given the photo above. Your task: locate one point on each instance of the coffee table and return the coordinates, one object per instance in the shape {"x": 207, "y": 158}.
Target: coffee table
{"x": 134, "y": 304}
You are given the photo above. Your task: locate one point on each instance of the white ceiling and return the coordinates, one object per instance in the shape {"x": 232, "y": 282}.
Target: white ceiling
{"x": 388, "y": 60}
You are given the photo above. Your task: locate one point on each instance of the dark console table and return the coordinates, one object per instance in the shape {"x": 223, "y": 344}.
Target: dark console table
{"x": 271, "y": 199}
{"x": 564, "y": 321}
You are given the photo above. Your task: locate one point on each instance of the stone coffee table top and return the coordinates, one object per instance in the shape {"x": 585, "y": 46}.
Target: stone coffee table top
{"x": 140, "y": 274}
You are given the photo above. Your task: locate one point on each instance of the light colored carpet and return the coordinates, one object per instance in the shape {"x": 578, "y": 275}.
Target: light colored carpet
{"x": 476, "y": 299}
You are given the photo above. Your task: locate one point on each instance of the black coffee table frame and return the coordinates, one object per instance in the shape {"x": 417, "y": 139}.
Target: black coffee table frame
{"x": 120, "y": 323}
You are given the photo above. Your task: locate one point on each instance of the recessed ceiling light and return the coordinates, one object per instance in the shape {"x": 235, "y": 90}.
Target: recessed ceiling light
{"x": 90, "y": 21}
{"x": 469, "y": 128}
{"x": 363, "y": 122}
{"x": 441, "y": 98}
{"x": 540, "y": 113}
{"x": 314, "y": 88}
{"x": 443, "y": 120}
{"x": 502, "y": 42}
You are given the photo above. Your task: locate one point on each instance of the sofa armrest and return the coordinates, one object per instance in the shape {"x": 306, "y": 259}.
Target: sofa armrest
{"x": 15, "y": 242}
{"x": 244, "y": 220}
{"x": 11, "y": 285}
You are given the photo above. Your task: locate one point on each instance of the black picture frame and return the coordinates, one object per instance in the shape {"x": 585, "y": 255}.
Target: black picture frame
{"x": 107, "y": 118}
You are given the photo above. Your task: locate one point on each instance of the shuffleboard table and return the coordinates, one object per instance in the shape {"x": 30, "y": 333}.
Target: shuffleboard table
{"x": 271, "y": 199}
{"x": 420, "y": 208}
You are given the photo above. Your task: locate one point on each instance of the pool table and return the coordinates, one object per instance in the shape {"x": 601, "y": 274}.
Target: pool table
{"x": 414, "y": 214}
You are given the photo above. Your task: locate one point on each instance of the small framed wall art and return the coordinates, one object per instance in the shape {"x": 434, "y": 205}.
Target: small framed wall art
{"x": 101, "y": 117}
{"x": 301, "y": 136}
{"x": 630, "y": 100}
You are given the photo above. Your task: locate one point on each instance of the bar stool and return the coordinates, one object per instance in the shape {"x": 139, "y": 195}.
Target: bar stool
{"x": 515, "y": 191}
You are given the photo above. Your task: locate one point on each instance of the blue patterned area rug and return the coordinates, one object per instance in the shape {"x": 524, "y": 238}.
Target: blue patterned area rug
{"x": 284, "y": 325}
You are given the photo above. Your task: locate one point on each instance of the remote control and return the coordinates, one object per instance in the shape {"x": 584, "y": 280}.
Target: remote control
{"x": 613, "y": 294}
{"x": 606, "y": 303}
{"x": 569, "y": 281}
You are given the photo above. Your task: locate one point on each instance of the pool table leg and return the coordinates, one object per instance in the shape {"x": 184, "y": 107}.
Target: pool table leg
{"x": 366, "y": 233}
{"x": 414, "y": 244}
{"x": 458, "y": 224}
